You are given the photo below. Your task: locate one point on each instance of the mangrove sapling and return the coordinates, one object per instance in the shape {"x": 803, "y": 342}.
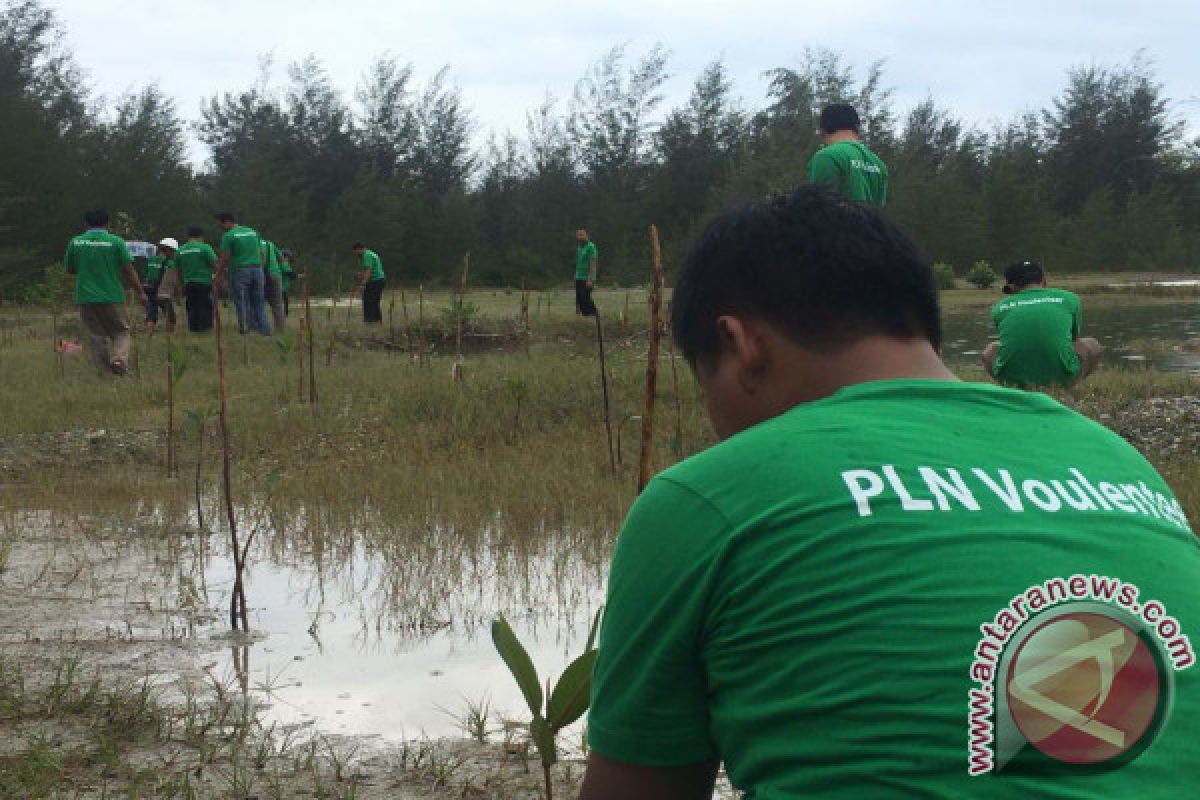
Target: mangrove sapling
{"x": 621, "y": 427}
{"x": 201, "y": 423}
{"x": 284, "y": 345}
{"x": 519, "y": 390}
{"x": 311, "y": 341}
{"x": 177, "y": 358}
{"x": 567, "y": 701}
{"x": 237, "y": 597}
{"x": 459, "y": 314}
{"x": 656, "y": 288}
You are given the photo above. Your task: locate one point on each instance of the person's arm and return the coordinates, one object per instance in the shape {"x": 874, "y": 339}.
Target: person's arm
{"x": 611, "y": 780}
{"x": 649, "y": 726}
{"x": 1077, "y": 319}
{"x": 133, "y": 281}
{"x": 592, "y": 269}
{"x": 69, "y": 258}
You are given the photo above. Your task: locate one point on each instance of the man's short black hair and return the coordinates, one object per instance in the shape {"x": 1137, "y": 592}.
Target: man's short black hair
{"x": 226, "y": 216}
{"x": 824, "y": 270}
{"x": 96, "y": 218}
{"x": 839, "y": 117}
{"x": 195, "y": 232}
{"x": 358, "y": 246}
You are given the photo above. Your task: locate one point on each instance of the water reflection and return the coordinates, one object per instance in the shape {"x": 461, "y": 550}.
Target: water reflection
{"x": 382, "y": 632}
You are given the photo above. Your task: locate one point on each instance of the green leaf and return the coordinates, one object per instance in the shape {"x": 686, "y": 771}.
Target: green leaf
{"x": 572, "y": 694}
{"x": 543, "y": 739}
{"x": 272, "y": 479}
{"x": 193, "y": 415}
{"x": 519, "y": 663}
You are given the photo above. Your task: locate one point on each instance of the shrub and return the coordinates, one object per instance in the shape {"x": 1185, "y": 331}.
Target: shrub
{"x": 982, "y": 276}
{"x": 943, "y": 276}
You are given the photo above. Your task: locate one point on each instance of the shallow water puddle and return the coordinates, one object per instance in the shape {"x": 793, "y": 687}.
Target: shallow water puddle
{"x": 347, "y": 649}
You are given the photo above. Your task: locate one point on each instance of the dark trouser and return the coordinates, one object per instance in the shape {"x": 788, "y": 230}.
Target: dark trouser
{"x": 152, "y": 303}
{"x": 372, "y": 294}
{"x": 583, "y": 299}
{"x": 287, "y": 308}
{"x": 167, "y": 305}
{"x": 199, "y": 300}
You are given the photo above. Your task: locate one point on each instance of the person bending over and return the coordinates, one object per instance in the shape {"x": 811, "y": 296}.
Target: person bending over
{"x": 815, "y": 600}
{"x": 1040, "y": 342}
{"x": 586, "y": 258}
{"x": 371, "y": 283}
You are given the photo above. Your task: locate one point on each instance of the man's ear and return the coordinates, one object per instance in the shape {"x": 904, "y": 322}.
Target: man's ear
{"x": 741, "y": 340}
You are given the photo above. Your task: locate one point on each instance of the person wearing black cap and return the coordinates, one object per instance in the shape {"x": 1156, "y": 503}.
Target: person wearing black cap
{"x": 240, "y": 253}
{"x": 1040, "y": 342}
{"x": 845, "y": 164}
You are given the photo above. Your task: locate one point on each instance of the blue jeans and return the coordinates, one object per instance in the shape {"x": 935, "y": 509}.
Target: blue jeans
{"x": 247, "y": 288}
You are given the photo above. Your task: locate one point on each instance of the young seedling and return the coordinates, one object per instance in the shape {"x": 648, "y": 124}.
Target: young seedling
{"x": 200, "y": 420}
{"x": 177, "y": 363}
{"x": 567, "y": 701}
{"x": 519, "y": 390}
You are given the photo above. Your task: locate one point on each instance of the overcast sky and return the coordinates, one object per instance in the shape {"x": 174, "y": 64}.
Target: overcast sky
{"x": 983, "y": 59}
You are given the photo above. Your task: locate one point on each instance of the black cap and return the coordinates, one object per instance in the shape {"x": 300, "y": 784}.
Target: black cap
{"x": 1022, "y": 273}
{"x": 225, "y": 216}
{"x": 358, "y": 246}
{"x": 195, "y": 232}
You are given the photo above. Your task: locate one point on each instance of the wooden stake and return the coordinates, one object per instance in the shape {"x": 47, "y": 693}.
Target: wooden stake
{"x": 312, "y": 358}
{"x": 612, "y": 456}
{"x": 458, "y": 328}
{"x": 656, "y": 288}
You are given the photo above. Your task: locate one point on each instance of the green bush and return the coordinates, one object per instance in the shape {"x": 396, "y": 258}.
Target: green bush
{"x": 982, "y": 276}
{"x": 943, "y": 276}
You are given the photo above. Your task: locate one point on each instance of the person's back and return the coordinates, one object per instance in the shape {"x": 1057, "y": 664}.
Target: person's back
{"x": 884, "y": 582}
{"x": 840, "y": 560}
{"x": 243, "y": 245}
{"x": 1037, "y": 328}
{"x": 196, "y": 260}
{"x": 844, "y": 163}
{"x": 96, "y": 257}
{"x": 851, "y": 169}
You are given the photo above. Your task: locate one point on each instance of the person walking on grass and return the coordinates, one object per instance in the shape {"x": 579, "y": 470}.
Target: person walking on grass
{"x": 873, "y": 545}
{"x": 273, "y": 274}
{"x": 586, "y": 261}
{"x": 240, "y": 256}
{"x": 845, "y": 164}
{"x": 370, "y": 283}
{"x": 1040, "y": 342}
{"x": 160, "y": 283}
{"x": 196, "y": 261}
{"x": 102, "y": 267}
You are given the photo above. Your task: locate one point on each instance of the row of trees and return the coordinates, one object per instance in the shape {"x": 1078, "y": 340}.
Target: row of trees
{"x": 1102, "y": 178}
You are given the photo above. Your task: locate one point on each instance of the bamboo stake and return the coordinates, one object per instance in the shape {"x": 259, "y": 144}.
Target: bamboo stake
{"x": 300, "y": 398}
{"x": 404, "y": 316}
{"x": 612, "y": 457}
{"x": 656, "y": 288}
{"x": 237, "y": 597}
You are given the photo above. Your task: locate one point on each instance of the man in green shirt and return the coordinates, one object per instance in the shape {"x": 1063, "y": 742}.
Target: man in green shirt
{"x": 240, "y": 251}
{"x": 273, "y": 275}
{"x": 845, "y": 163}
{"x": 288, "y": 274}
{"x": 196, "y": 261}
{"x": 370, "y": 283}
{"x": 885, "y": 582}
{"x": 586, "y": 258}
{"x": 1040, "y": 342}
{"x": 100, "y": 261}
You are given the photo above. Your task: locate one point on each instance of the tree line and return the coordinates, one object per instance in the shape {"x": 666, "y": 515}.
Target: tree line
{"x": 1102, "y": 178}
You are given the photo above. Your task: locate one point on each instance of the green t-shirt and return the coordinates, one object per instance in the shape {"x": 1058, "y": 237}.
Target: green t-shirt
{"x": 1038, "y": 329}
{"x": 370, "y": 260}
{"x": 97, "y": 258}
{"x": 583, "y": 260}
{"x": 155, "y": 266}
{"x": 196, "y": 262}
{"x": 243, "y": 246}
{"x": 271, "y": 257}
{"x": 809, "y": 599}
{"x": 851, "y": 169}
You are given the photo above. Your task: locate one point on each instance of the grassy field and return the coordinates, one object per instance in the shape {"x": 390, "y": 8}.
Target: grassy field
{"x": 394, "y": 448}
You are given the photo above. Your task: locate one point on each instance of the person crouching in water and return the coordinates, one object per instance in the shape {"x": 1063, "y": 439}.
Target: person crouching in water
{"x": 1040, "y": 342}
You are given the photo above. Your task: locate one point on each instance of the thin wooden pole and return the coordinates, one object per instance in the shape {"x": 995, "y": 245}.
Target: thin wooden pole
{"x": 312, "y": 358}
{"x": 656, "y": 288}
{"x": 170, "y": 410}
{"x": 458, "y": 328}
{"x": 237, "y": 597}
{"x": 612, "y": 456}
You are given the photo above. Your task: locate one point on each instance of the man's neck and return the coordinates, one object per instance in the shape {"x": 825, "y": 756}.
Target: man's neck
{"x": 837, "y": 137}
{"x": 876, "y": 358}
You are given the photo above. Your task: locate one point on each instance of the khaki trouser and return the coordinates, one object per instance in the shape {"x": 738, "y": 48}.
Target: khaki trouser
{"x": 107, "y": 327}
